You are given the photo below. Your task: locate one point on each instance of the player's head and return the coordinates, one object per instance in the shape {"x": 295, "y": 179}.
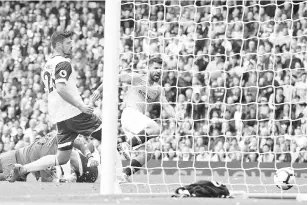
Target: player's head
{"x": 61, "y": 41}
{"x": 155, "y": 65}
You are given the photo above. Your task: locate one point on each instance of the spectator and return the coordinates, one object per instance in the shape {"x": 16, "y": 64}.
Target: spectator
{"x": 203, "y": 155}
{"x": 302, "y": 157}
{"x": 266, "y": 155}
{"x": 30, "y": 132}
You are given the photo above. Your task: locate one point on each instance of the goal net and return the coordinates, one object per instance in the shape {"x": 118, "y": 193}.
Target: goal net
{"x": 235, "y": 72}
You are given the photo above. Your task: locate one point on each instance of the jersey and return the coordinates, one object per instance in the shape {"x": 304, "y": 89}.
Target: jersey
{"x": 203, "y": 188}
{"x": 59, "y": 70}
{"x": 140, "y": 93}
{"x": 47, "y": 145}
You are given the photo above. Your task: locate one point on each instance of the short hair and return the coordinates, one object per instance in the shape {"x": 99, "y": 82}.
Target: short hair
{"x": 155, "y": 60}
{"x": 59, "y": 36}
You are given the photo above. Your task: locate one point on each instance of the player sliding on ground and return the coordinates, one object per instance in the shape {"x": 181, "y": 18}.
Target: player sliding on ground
{"x": 65, "y": 107}
{"x": 81, "y": 160}
{"x": 143, "y": 92}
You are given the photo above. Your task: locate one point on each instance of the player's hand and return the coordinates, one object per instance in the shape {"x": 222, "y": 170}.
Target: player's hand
{"x": 88, "y": 109}
{"x": 92, "y": 162}
{"x": 95, "y": 96}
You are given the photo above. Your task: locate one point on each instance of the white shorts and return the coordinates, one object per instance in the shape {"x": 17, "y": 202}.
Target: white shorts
{"x": 133, "y": 122}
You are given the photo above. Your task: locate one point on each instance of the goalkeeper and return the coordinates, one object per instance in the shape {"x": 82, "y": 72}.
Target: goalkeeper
{"x": 203, "y": 188}
{"x": 145, "y": 91}
{"x": 41, "y": 147}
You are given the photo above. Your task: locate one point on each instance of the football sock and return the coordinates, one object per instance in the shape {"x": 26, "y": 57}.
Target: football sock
{"x": 42, "y": 163}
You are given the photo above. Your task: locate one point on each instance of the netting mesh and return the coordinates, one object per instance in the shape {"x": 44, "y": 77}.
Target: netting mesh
{"x": 236, "y": 73}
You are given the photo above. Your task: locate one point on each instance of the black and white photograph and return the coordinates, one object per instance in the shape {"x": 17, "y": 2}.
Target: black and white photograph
{"x": 149, "y": 102}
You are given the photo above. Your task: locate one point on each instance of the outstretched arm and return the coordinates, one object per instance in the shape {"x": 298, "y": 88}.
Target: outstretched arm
{"x": 97, "y": 93}
{"x": 123, "y": 78}
{"x": 126, "y": 78}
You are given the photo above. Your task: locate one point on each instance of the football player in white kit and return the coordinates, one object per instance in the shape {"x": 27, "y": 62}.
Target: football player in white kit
{"x": 143, "y": 92}
{"x": 65, "y": 107}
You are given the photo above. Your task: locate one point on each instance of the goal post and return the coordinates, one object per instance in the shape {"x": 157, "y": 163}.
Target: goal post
{"x": 108, "y": 183}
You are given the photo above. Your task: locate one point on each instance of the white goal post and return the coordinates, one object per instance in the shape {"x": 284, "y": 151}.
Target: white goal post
{"x": 108, "y": 183}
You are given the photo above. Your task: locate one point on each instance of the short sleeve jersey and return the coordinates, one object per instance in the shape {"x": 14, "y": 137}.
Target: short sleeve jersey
{"x": 140, "y": 95}
{"x": 59, "y": 70}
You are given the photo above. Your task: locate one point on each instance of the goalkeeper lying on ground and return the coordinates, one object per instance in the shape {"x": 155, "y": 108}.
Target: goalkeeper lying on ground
{"x": 81, "y": 161}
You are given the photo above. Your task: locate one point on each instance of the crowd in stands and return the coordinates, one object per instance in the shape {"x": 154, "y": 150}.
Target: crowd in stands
{"x": 235, "y": 71}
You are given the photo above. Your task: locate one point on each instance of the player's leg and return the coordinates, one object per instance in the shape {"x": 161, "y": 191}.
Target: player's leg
{"x": 138, "y": 127}
{"x": 87, "y": 125}
{"x": 65, "y": 139}
{"x": 144, "y": 156}
{"x": 151, "y": 130}
{"x": 41, "y": 164}
{"x": 65, "y": 144}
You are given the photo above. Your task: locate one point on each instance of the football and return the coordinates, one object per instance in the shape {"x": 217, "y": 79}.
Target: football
{"x": 284, "y": 178}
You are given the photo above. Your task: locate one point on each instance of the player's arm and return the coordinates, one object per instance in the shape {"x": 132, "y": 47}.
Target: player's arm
{"x": 62, "y": 74}
{"x": 123, "y": 78}
{"x": 79, "y": 144}
{"x": 166, "y": 105}
{"x": 97, "y": 93}
{"x": 130, "y": 78}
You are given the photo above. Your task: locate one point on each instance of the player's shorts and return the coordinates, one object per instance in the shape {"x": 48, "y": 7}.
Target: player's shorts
{"x": 68, "y": 130}
{"x": 133, "y": 121}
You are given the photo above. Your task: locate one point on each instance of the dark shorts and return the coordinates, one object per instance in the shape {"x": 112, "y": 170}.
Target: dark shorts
{"x": 83, "y": 124}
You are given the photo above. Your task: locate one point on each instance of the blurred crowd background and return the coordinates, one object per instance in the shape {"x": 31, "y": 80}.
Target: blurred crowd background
{"x": 235, "y": 71}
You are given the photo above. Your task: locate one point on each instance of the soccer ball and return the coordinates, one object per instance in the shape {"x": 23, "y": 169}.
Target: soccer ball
{"x": 284, "y": 178}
